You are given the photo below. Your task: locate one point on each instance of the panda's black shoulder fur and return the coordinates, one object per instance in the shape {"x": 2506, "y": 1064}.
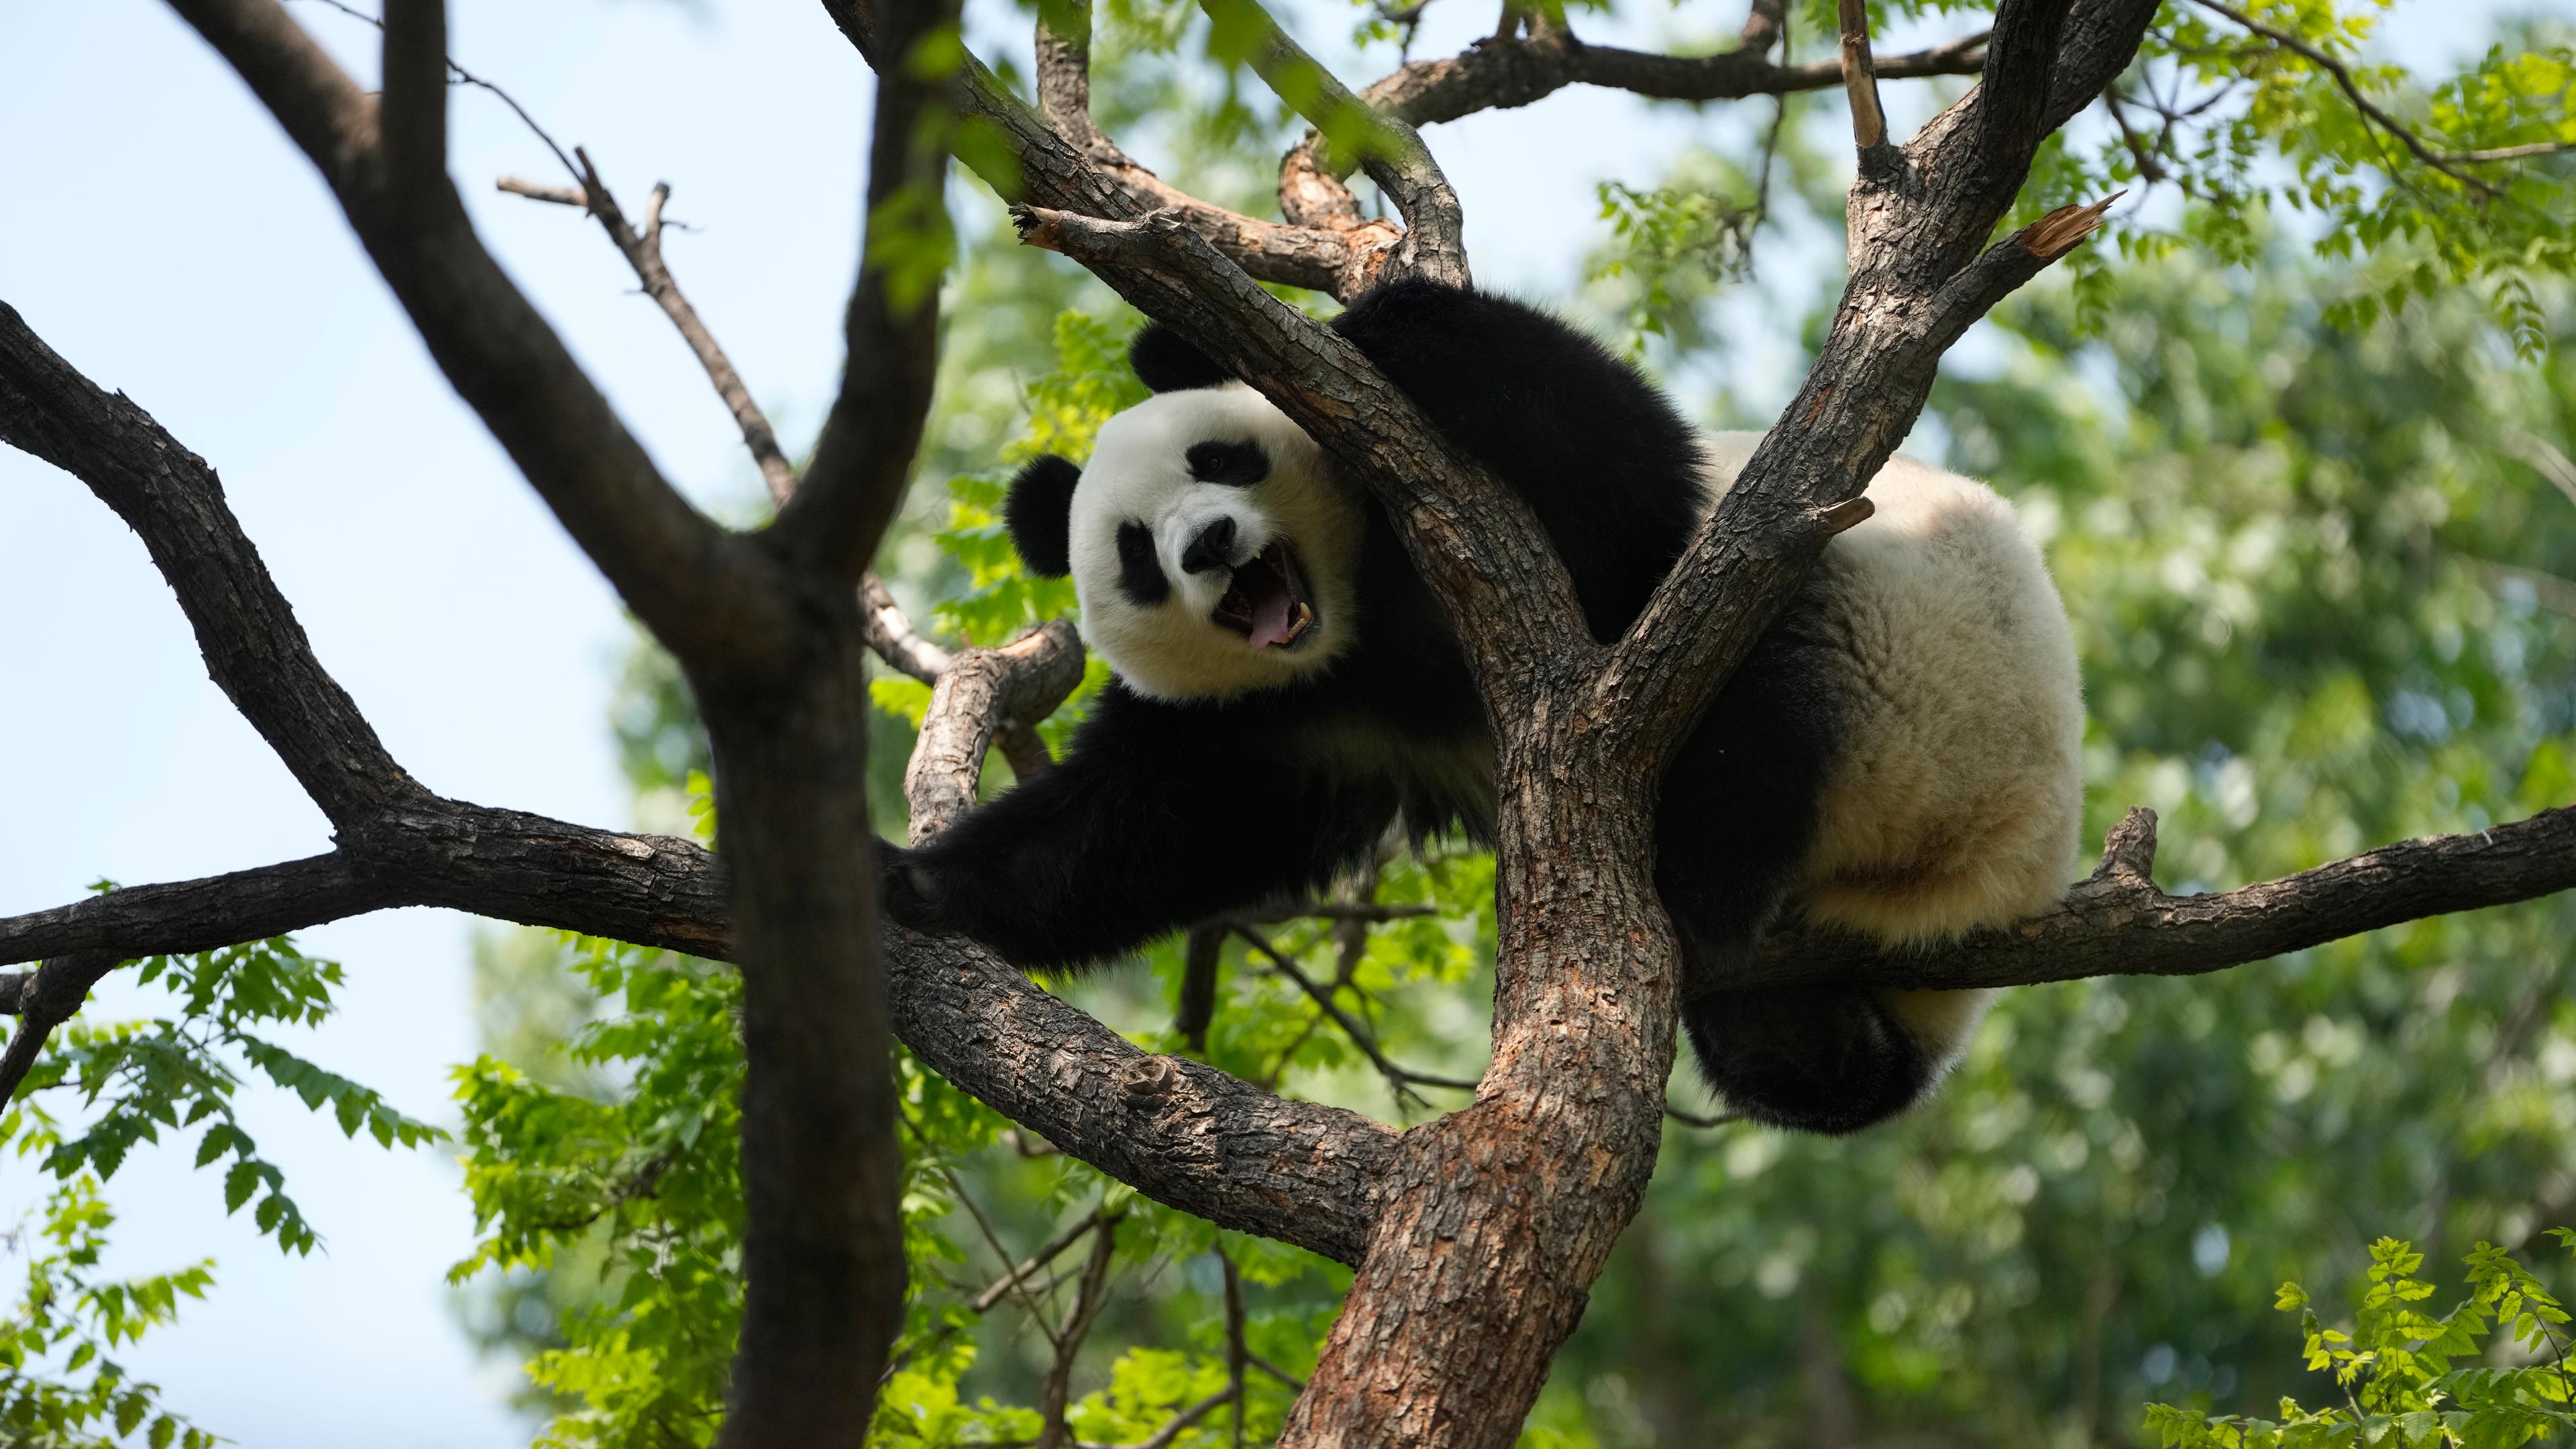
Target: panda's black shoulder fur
{"x": 1166, "y": 362}
{"x": 1612, "y": 471}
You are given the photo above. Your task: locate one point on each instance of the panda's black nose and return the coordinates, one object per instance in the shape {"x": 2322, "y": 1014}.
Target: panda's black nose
{"x": 1212, "y": 549}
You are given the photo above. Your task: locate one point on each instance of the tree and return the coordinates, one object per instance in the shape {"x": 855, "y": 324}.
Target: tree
{"x": 1476, "y": 1235}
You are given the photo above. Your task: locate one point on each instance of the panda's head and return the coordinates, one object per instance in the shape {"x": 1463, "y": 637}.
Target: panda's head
{"x": 1212, "y": 549}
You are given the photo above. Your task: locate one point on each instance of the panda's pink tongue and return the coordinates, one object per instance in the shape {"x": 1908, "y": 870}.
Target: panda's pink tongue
{"x": 1270, "y": 620}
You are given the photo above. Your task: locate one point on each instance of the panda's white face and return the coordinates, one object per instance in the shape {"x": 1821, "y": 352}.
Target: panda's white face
{"x": 1212, "y": 549}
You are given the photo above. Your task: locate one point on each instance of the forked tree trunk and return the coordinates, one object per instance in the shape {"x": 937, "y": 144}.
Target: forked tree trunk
{"x": 1499, "y": 1216}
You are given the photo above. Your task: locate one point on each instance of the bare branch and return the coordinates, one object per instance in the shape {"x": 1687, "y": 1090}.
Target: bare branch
{"x": 981, "y": 691}
{"x": 1860, "y": 77}
{"x": 1702, "y": 1119}
{"x": 1047, "y": 170}
{"x": 2118, "y": 923}
{"x": 864, "y": 457}
{"x": 1403, "y": 1079}
{"x": 2446, "y": 162}
{"x": 891, "y": 635}
{"x": 255, "y": 650}
{"x": 1180, "y": 1423}
{"x": 46, "y": 998}
{"x": 1295, "y": 1384}
{"x": 673, "y": 567}
{"x": 1237, "y": 1352}
{"x": 1396, "y": 159}
{"x": 1503, "y": 74}
{"x": 1064, "y": 72}
{"x": 1188, "y": 1135}
{"x": 1029, "y": 1266}
{"x": 1764, "y": 23}
{"x": 1088, "y": 1298}
{"x": 540, "y": 191}
{"x": 643, "y": 252}
{"x": 201, "y": 915}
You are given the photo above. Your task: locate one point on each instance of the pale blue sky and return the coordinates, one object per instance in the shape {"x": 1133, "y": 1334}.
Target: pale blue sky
{"x": 164, "y": 237}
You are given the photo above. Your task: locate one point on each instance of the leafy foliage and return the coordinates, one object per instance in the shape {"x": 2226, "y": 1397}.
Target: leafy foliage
{"x": 137, "y": 1078}
{"x": 68, "y": 1322}
{"x": 127, "y": 1083}
{"x": 2396, "y": 1367}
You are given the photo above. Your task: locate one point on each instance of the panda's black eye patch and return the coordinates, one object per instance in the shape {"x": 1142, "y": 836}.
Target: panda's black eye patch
{"x": 1140, "y": 572}
{"x": 1237, "y": 465}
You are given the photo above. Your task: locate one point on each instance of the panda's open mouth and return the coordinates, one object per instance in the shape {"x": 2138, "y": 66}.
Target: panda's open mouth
{"x": 1267, "y": 603}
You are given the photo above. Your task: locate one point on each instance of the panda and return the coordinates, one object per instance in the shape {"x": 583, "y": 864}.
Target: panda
{"x": 1898, "y": 757}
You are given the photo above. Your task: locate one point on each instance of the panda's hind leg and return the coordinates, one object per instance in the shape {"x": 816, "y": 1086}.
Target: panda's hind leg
{"x": 1736, "y": 823}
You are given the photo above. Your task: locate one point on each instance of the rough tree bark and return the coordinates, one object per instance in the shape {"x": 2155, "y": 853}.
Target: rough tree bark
{"x": 769, "y": 631}
{"x": 1476, "y": 1235}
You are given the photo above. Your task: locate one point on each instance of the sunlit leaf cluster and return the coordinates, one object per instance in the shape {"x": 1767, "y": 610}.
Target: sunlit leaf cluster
{"x": 2399, "y": 1367}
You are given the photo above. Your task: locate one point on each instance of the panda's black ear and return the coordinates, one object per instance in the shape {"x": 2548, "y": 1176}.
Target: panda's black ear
{"x": 1039, "y": 512}
{"x": 1166, "y": 363}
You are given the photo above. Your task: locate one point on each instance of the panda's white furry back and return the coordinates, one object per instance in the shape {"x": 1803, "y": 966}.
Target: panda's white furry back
{"x": 1897, "y": 756}
{"x": 1958, "y": 798}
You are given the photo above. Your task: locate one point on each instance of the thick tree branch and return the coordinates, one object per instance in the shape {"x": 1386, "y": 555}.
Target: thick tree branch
{"x": 675, "y": 569}
{"x": 891, "y": 635}
{"x": 43, "y": 999}
{"x": 865, "y": 454}
{"x": 202, "y": 915}
{"x": 980, "y": 693}
{"x": 2118, "y": 923}
{"x": 1434, "y": 245}
{"x": 1064, "y": 72}
{"x": 1502, "y": 74}
{"x": 254, "y": 649}
{"x": 1919, "y": 213}
{"x": 669, "y": 893}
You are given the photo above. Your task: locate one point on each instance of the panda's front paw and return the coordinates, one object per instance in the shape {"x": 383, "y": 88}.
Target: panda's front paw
{"x": 908, "y": 890}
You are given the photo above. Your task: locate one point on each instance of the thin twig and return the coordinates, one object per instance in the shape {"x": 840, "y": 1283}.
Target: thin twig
{"x": 1295, "y": 1384}
{"x": 1236, "y": 1351}
{"x": 1172, "y": 1430}
{"x": 643, "y": 252}
{"x": 459, "y": 74}
{"x": 983, "y": 1302}
{"x": 1403, "y": 1079}
{"x": 1087, "y": 1300}
{"x": 1366, "y": 912}
{"x": 642, "y": 1183}
{"x": 2545, "y": 460}
{"x": 1696, "y": 1119}
{"x": 993, "y": 1240}
{"x": 2446, "y": 162}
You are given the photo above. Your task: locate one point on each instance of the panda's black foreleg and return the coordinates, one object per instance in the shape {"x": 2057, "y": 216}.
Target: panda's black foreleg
{"x": 1738, "y": 816}
{"x": 1159, "y": 816}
